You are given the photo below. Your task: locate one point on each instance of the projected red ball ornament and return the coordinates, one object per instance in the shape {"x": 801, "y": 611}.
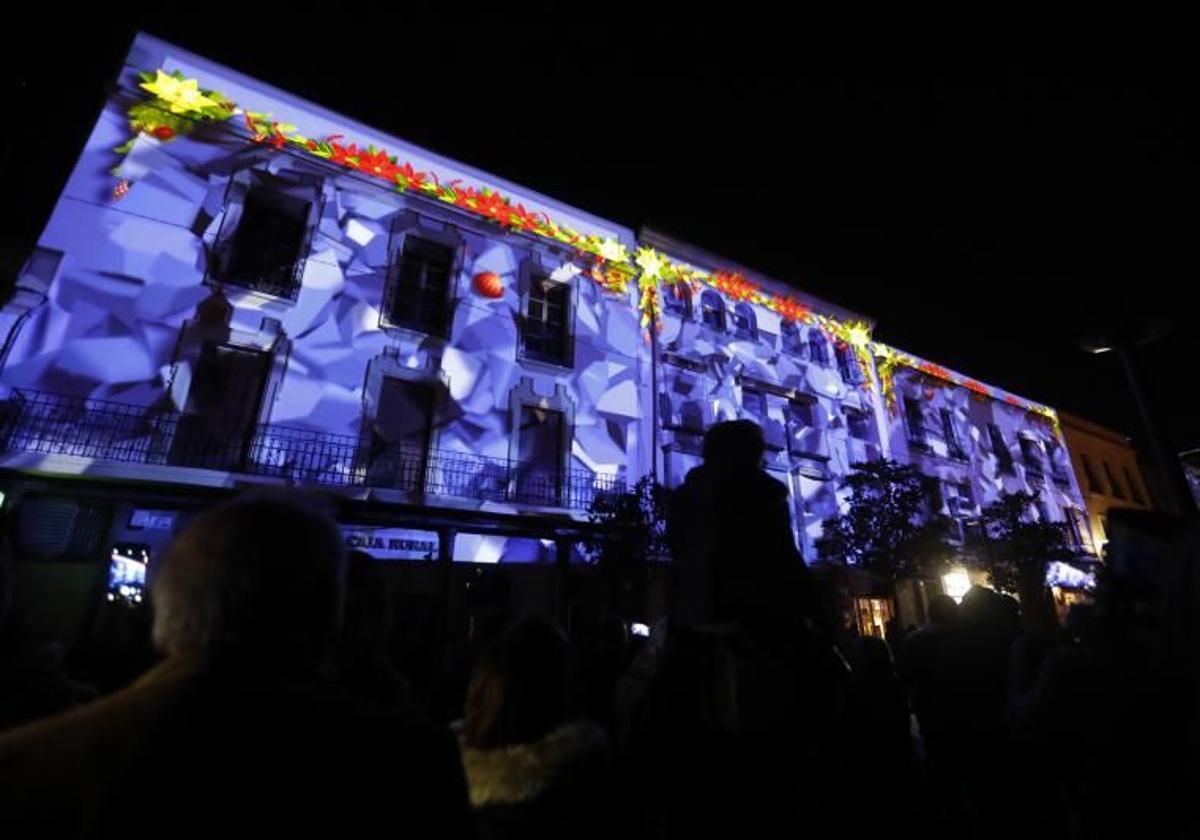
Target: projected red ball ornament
{"x": 488, "y": 284}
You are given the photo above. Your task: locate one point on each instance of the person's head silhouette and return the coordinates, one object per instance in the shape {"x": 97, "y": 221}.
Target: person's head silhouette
{"x": 261, "y": 577}
{"x": 734, "y": 445}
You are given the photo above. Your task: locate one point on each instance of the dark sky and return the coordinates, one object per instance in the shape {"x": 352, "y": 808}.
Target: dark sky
{"x": 988, "y": 201}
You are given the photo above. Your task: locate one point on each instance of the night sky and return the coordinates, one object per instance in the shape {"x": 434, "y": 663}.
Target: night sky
{"x": 988, "y": 203}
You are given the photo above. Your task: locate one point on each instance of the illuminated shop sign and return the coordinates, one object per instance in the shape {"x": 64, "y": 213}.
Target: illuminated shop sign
{"x": 393, "y": 543}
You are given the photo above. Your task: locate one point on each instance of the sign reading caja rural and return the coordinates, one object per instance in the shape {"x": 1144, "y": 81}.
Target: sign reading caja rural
{"x": 393, "y": 543}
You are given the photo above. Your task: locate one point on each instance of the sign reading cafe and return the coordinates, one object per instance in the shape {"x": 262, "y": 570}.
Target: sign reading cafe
{"x": 392, "y": 543}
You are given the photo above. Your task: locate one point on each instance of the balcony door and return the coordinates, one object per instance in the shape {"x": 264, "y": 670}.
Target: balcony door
{"x": 222, "y": 408}
{"x": 540, "y": 456}
{"x": 400, "y": 435}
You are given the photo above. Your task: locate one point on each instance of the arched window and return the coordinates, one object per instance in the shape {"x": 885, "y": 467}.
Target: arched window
{"x": 677, "y": 299}
{"x": 789, "y": 335}
{"x": 847, "y": 365}
{"x": 745, "y": 324}
{"x": 818, "y": 348}
{"x": 712, "y": 310}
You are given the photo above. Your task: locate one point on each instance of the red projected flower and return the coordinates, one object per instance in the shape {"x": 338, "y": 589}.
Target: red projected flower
{"x": 790, "y": 310}
{"x": 377, "y": 164}
{"x": 935, "y": 371}
{"x": 734, "y": 284}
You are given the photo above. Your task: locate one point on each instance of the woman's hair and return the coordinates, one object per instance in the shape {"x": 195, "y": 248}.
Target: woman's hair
{"x": 518, "y": 690}
{"x": 261, "y": 576}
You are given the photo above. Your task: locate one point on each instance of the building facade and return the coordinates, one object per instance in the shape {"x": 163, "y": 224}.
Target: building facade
{"x": 1109, "y": 471}
{"x": 238, "y": 287}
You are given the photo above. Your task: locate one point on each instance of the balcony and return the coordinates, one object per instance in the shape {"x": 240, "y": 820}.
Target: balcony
{"x": 101, "y": 430}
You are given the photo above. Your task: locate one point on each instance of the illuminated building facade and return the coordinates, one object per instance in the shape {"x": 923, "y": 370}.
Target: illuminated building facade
{"x": 238, "y": 287}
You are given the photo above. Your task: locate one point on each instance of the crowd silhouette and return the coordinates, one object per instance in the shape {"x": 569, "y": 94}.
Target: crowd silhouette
{"x": 275, "y": 705}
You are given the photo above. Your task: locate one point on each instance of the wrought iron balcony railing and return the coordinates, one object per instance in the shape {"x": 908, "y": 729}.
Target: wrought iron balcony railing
{"x": 50, "y": 424}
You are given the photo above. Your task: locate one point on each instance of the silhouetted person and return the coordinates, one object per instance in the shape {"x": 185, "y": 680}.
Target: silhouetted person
{"x": 364, "y": 666}
{"x": 928, "y": 666}
{"x": 742, "y": 585}
{"x": 729, "y": 527}
{"x": 1110, "y": 708}
{"x": 532, "y": 771}
{"x": 234, "y": 731}
{"x": 989, "y": 624}
{"x": 879, "y": 732}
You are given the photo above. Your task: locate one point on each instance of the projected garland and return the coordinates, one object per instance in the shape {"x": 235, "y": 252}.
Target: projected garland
{"x": 177, "y": 106}
{"x": 887, "y": 359}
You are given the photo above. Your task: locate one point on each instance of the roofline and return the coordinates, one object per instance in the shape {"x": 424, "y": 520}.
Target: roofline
{"x": 145, "y": 40}
{"x": 1000, "y": 392}
{"x": 1100, "y": 430}
{"x": 706, "y": 259}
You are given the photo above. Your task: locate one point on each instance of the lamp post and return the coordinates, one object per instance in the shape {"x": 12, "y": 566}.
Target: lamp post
{"x": 1174, "y": 493}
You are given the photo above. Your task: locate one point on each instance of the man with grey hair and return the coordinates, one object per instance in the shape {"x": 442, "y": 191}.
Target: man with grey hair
{"x": 235, "y": 729}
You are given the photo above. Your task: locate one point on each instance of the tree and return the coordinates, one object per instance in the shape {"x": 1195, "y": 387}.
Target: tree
{"x": 1015, "y": 546}
{"x": 886, "y": 528}
{"x": 630, "y": 532}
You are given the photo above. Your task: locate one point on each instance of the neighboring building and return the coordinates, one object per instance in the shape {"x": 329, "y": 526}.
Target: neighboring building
{"x": 1108, "y": 470}
{"x": 220, "y": 300}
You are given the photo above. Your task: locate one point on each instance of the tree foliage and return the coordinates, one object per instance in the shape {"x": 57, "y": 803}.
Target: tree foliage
{"x": 1015, "y": 545}
{"x": 886, "y": 527}
{"x": 630, "y": 529}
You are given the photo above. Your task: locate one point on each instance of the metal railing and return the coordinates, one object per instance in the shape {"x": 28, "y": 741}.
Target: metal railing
{"x": 51, "y": 424}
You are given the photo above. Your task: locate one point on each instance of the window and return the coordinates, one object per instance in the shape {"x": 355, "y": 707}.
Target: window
{"x": 1030, "y": 455}
{"x": 858, "y": 423}
{"x": 1089, "y": 470}
{"x": 1076, "y": 527}
{"x": 539, "y": 455}
{"x": 1117, "y": 492}
{"x": 712, "y": 310}
{"x": 966, "y": 498}
{"x": 818, "y": 348}
{"x": 265, "y": 250}
{"x": 1057, "y": 458}
{"x": 400, "y": 434}
{"x": 1043, "y": 511}
{"x": 1133, "y": 487}
{"x": 934, "y": 500}
{"x": 754, "y": 403}
{"x": 789, "y": 335}
{"x": 678, "y": 300}
{"x": 915, "y": 416}
{"x": 222, "y": 408}
{"x": 745, "y": 324}
{"x": 691, "y": 416}
{"x": 954, "y": 448}
{"x": 545, "y": 333}
{"x": 960, "y": 500}
{"x": 1004, "y": 458}
{"x": 804, "y": 430}
{"x": 419, "y": 286}
{"x": 847, "y": 365}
